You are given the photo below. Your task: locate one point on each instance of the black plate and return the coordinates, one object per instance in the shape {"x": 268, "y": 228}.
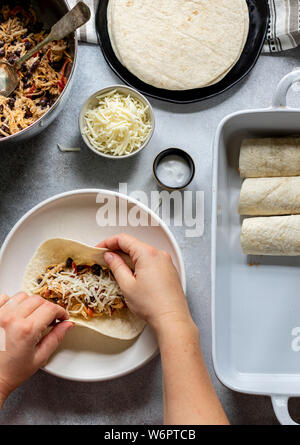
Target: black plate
{"x": 259, "y": 14}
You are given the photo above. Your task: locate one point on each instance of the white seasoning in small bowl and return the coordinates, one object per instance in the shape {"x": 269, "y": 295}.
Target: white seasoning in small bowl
{"x": 173, "y": 171}
{"x": 118, "y": 125}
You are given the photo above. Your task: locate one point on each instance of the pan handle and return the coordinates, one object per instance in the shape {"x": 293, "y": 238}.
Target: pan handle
{"x": 279, "y": 98}
{"x": 281, "y": 408}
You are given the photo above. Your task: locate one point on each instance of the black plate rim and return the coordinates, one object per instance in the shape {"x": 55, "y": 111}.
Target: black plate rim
{"x": 155, "y": 94}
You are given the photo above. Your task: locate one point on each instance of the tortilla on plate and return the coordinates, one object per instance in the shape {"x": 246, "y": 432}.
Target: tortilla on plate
{"x": 178, "y": 45}
{"x": 75, "y": 276}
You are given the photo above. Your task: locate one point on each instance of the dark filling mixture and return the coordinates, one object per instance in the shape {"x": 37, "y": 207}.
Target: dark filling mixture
{"x": 42, "y": 78}
{"x": 84, "y": 290}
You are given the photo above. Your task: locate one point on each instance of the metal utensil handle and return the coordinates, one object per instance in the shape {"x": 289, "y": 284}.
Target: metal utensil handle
{"x": 281, "y": 409}
{"x": 75, "y": 18}
{"x": 279, "y": 99}
{"x": 34, "y": 50}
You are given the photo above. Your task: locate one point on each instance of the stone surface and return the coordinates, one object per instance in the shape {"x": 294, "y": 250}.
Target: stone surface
{"x": 32, "y": 172}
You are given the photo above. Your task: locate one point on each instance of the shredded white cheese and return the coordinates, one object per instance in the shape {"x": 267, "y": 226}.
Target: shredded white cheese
{"x": 95, "y": 291}
{"x": 118, "y": 125}
{"x": 66, "y": 149}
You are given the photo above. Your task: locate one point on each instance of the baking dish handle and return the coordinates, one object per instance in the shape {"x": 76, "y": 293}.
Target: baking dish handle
{"x": 279, "y": 99}
{"x": 281, "y": 408}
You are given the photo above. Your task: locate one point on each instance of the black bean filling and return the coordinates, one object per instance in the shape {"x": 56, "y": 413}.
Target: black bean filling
{"x": 96, "y": 270}
{"x": 69, "y": 263}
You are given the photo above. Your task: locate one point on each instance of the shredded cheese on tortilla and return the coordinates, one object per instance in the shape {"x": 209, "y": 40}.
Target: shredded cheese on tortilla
{"x": 77, "y": 292}
{"x": 118, "y": 125}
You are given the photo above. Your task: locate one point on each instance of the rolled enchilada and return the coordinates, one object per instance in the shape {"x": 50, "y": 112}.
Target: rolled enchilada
{"x": 275, "y": 235}
{"x": 270, "y": 196}
{"x": 270, "y": 157}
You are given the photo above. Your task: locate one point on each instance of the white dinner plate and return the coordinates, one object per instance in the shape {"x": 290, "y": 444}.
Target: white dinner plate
{"x": 84, "y": 355}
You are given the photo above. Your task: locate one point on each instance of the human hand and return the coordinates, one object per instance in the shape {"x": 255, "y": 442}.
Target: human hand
{"x": 23, "y": 321}
{"x": 153, "y": 291}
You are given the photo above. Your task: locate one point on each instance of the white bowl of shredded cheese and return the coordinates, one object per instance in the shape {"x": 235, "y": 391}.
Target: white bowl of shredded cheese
{"x": 117, "y": 122}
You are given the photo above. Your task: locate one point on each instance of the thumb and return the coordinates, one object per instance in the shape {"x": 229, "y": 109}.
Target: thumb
{"x": 119, "y": 268}
{"x": 51, "y": 341}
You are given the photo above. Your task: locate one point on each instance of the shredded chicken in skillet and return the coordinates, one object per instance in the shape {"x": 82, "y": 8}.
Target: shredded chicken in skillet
{"x": 42, "y": 78}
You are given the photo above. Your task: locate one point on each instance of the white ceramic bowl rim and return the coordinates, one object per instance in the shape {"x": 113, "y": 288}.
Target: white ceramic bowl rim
{"x": 106, "y": 192}
{"x": 38, "y": 207}
{"x": 140, "y": 96}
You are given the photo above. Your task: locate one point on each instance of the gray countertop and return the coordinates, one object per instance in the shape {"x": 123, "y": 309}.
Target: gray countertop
{"x": 36, "y": 170}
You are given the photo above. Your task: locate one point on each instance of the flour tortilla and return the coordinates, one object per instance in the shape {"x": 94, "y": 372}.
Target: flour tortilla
{"x": 245, "y": 37}
{"x": 270, "y": 196}
{"x": 270, "y": 157}
{"x": 178, "y": 45}
{"x": 274, "y": 235}
{"x": 57, "y": 251}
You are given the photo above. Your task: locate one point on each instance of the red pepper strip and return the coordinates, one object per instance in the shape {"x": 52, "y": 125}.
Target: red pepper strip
{"x": 90, "y": 312}
{"x": 32, "y": 90}
{"x": 62, "y": 81}
{"x": 63, "y": 70}
{"x": 62, "y": 84}
{"x": 74, "y": 267}
{"x": 47, "y": 293}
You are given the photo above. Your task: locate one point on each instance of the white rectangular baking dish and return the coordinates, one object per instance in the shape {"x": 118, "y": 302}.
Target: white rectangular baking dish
{"x": 255, "y": 309}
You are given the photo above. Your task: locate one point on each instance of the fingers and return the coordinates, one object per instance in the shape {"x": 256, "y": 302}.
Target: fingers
{"x": 51, "y": 341}
{"x": 46, "y": 314}
{"x": 8, "y": 304}
{"x": 120, "y": 242}
{"x": 124, "y": 242}
{"x": 18, "y": 298}
{"x": 119, "y": 268}
{"x": 29, "y": 305}
{"x": 3, "y": 300}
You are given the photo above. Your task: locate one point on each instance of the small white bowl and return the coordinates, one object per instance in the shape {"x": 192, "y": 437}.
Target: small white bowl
{"x": 92, "y": 102}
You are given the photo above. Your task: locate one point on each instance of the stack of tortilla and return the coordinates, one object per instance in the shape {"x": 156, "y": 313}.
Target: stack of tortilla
{"x": 271, "y": 167}
{"x": 178, "y": 45}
